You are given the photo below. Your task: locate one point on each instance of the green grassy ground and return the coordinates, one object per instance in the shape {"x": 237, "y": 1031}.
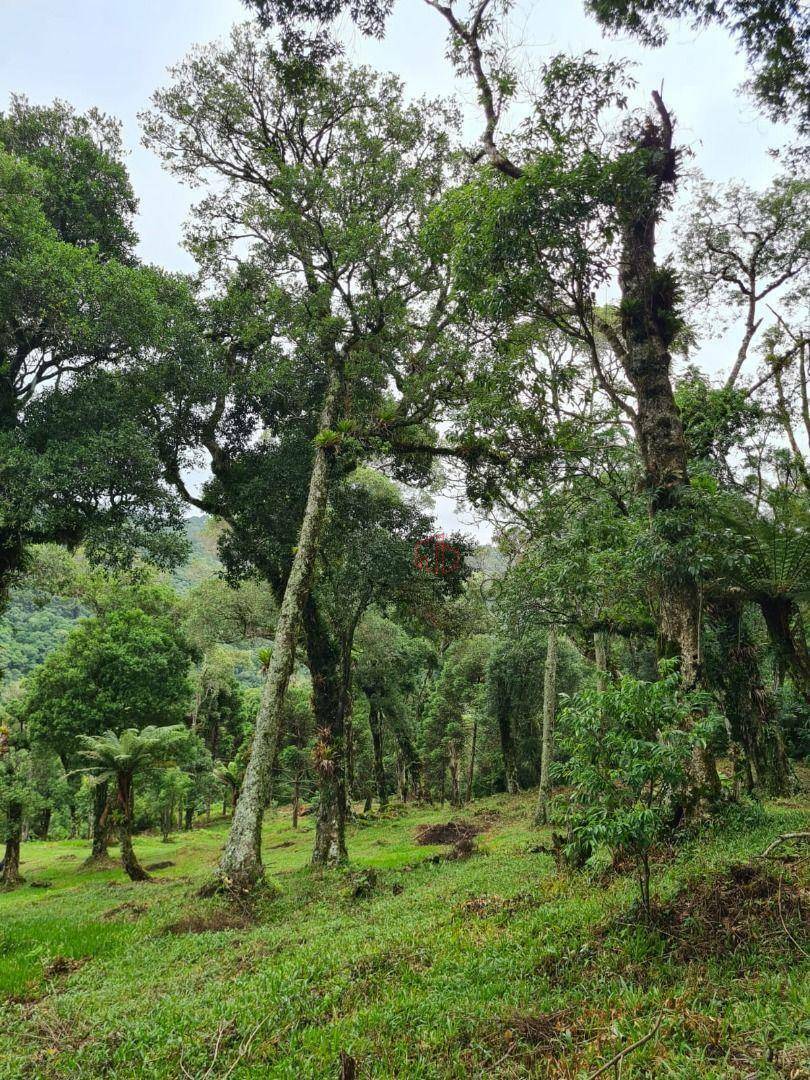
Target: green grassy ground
{"x": 498, "y": 965}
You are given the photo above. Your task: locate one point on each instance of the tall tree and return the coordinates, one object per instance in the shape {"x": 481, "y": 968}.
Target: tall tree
{"x": 72, "y": 301}
{"x": 774, "y": 34}
{"x": 322, "y": 180}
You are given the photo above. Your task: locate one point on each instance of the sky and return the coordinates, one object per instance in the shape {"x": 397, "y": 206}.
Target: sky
{"x": 113, "y": 54}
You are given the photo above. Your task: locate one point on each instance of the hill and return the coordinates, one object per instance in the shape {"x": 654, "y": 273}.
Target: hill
{"x": 417, "y": 962}
{"x": 29, "y": 629}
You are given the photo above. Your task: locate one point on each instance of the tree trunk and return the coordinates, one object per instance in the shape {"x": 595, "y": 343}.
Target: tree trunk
{"x": 749, "y": 708}
{"x": 454, "y": 765}
{"x": 240, "y": 866}
{"x": 324, "y": 658}
{"x": 471, "y": 770}
{"x": 101, "y": 794}
{"x": 296, "y": 806}
{"x": 129, "y": 860}
{"x": 549, "y": 710}
{"x": 12, "y": 561}
{"x": 44, "y": 826}
{"x": 649, "y": 323}
{"x": 507, "y": 747}
{"x": 346, "y": 709}
{"x": 11, "y": 860}
{"x": 786, "y": 631}
{"x": 375, "y": 723}
{"x": 601, "y": 648}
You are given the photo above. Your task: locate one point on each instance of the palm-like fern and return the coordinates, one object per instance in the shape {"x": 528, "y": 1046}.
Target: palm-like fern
{"x": 768, "y": 558}
{"x": 120, "y": 758}
{"x": 770, "y": 555}
{"x": 132, "y": 751}
{"x": 230, "y": 776}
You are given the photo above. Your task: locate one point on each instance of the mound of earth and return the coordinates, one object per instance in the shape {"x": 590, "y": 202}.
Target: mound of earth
{"x": 451, "y": 832}
{"x": 744, "y": 905}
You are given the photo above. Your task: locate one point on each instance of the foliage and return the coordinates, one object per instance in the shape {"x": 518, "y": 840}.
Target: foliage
{"x": 627, "y": 751}
{"x": 126, "y": 664}
{"x": 133, "y": 751}
{"x": 73, "y": 303}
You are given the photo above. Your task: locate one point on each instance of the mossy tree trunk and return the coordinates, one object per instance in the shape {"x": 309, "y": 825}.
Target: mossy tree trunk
{"x": 375, "y": 724}
{"x": 649, "y": 324}
{"x": 129, "y": 860}
{"x": 240, "y": 866}
{"x": 11, "y": 859}
{"x": 473, "y": 750}
{"x": 507, "y": 740}
{"x": 749, "y": 707}
{"x": 786, "y": 631}
{"x": 323, "y": 653}
{"x": 549, "y": 711}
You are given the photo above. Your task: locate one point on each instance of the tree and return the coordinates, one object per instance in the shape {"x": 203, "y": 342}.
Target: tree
{"x": 560, "y": 202}
{"x": 327, "y": 177}
{"x": 739, "y": 247}
{"x": 18, "y": 796}
{"x": 73, "y": 301}
{"x": 119, "y": 758}
{"x": 388, "y": 663}
{"x": 128, "y": 662}
{"x": 371, "y": 556}
{"x": 774, "y": 34}
{"x": 296, "y": 760}
{"x": 456, "y": 705}
{"x": 549, "y": 709}
{"x": 230, "y": 776}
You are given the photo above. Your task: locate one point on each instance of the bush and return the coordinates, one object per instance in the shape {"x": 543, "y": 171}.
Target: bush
{"x": 627, "y": 752}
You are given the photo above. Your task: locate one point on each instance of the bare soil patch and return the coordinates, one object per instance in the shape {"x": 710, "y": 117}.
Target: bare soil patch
{"x": 63, "y": 965}
{"x": 451, "y": 832}
{"x": 130, "y": 911}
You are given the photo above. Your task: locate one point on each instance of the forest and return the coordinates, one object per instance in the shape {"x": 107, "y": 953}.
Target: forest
{"x": 301, "y": 776}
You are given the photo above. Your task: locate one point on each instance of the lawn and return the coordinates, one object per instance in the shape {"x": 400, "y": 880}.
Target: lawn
{"x": 411, "y": 964}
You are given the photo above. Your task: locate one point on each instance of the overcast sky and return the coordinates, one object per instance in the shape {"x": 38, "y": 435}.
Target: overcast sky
{"x": 114, "y": 53}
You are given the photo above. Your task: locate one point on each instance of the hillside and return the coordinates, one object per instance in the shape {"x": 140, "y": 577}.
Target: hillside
{"x": 30, "y": 629}
{"x": 413, "y": 963}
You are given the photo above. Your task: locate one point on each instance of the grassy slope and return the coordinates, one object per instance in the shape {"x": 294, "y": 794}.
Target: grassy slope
{"x": 445, "y": 970}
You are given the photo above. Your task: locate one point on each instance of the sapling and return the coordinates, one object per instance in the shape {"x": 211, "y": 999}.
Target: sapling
{"x": 627, "y": 751}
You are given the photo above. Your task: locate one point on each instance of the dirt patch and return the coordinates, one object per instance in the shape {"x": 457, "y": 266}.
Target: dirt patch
{"x": 62, "y": 965}
{"x": 211, "y": 921}
{"x": 452, "y": 832}
{"x": 743, "y": 906}
{"x": 159, "y": 865}
{"x": 130, "y": 910}
{"x": 103, "y": 862}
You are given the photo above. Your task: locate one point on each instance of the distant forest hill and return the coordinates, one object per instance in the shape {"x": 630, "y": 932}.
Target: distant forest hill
{"x": 30, "y": 630}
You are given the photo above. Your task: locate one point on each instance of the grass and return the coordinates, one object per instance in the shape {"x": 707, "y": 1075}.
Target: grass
{"x": 498, "y": 965}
